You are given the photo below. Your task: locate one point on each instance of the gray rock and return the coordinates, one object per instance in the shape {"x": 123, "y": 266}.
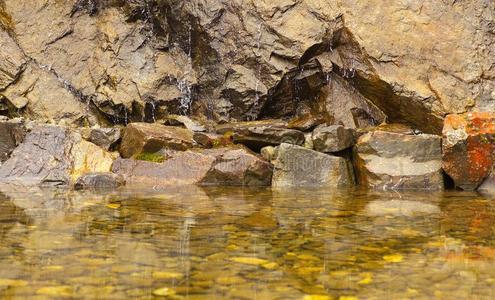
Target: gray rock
{"x": 386, "y": 160}
{"x": 43, "y": 158}
{"x": 106, "y": 138}
{"x": 53, "y": 156}
{"x": 99, "y": 181}
{"x": 333, "y": 138}
{"x": 298, "y": 166}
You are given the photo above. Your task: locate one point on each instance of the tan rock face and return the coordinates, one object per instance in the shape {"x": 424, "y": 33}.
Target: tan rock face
{"x": 238, "y": 60}
{"x": 143, "y": 137}
{"x": 388, "y": 160}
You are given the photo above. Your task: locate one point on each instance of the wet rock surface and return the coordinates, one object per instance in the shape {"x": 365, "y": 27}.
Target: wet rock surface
{"x": 333, "y": 138}
{"x": 99, "y": 181}
{"x": 121, "y": 61}
{"x": 150, "y": 138}
{"x": 297, "y": 166}
{"x": 468, "y": 148}
{"x": 385, "y": 160}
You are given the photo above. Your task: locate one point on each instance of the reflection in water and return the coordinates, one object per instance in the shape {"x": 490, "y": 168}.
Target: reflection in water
{"x": 218, "y": 243}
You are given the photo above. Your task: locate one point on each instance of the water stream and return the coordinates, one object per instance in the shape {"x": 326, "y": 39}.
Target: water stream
{"x": 232, "y": 243}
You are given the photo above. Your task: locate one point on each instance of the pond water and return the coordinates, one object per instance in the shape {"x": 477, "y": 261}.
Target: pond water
{"x": 233, "y": 243}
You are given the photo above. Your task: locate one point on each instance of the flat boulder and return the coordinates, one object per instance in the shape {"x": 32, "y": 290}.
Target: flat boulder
{"x": 468, "y": 148}
{"x": 219, "y": 166}
{"x": 334, "y": 138}
{"x": 298, "y": 166}
{"x": 150, "y": 138}
{"x": 53, "y": 156}
{"x": 389, "y": 160}
{"x": 105, "y": 180}
{"x": 259, "y": 134}
{"x": 11, "y": 135}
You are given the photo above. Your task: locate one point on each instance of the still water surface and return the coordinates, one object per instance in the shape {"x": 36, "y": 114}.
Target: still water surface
{"x": 218, "y": 243}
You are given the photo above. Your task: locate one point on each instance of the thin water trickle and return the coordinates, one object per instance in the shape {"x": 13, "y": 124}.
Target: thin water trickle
{"x": 183, "y": 85}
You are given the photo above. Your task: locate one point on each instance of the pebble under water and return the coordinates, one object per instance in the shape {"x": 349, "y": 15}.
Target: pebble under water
{"x": 234, "y": 243}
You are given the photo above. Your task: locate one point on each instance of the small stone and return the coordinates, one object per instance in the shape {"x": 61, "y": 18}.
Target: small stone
{"x": 167, "y": 275}
{"x": 99, "y": 181}
{"x": 393, "y": 258}
{"x": 164, "y": 292}
{"x": 250, "y": 261}
{"x": 12, "y": 282}
{"x": 11, "y": 135}
{"x": 106, "y": 138}
{"x": 56, "y": 291}
{"x": 268, "y": 153}
{"x": 333, "y": 138}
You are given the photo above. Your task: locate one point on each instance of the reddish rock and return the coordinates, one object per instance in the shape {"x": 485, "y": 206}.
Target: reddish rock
{"x": 468, "y": 148}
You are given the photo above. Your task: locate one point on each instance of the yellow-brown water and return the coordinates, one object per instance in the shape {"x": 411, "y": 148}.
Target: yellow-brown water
{"x": 194, "y": 243}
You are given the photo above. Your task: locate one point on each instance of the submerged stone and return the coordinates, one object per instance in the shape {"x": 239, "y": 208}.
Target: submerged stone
{"x": 298, "y": 166}
{"x": 144, "y": 137}
{"x": 469, "y": 148}
{"x": 99, "y": 181}
{"x": 386, "y": 160}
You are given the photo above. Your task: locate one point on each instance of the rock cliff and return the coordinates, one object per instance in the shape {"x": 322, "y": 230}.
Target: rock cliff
{"x": 357, "y": 63}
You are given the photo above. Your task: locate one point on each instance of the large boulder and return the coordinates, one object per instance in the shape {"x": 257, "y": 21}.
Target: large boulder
{"x": 333, "y": 138}
{"x": 469, "y": 148}
{"x": 219, "y": 166}
{"x": 54, "y": 156}
{"x": 150, "y": 138}
{"x": 389, "y": 160}
{"x": 185, "y": 168}
{"x": 298, "y": 166}
{"x": 11, "y": 135}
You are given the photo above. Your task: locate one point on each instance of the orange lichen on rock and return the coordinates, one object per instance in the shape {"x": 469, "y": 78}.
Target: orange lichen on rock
{"x": 468, "y": 148}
